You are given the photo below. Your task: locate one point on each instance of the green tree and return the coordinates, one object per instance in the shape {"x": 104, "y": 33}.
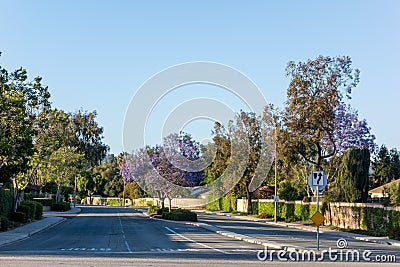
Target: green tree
{"x": 385, "y": 166}
{"x": 21, "y": 101}
{"x": 88, "y": 184}
{"x": 353, "y": 176}
{"x": 316, "y": 89}
{"x": 112, "y": 184}
{"x": 133, "y": 191}
{"x": 87, "y": 136}
{"x": 63, "y": 165}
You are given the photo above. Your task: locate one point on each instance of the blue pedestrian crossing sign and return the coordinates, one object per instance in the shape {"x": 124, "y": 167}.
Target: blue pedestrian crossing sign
{"x": 317, "y": 179}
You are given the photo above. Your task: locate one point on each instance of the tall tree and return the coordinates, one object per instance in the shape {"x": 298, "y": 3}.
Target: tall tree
{"x": 352, "y": 182}
{"x": 64, "y": 164}
{"x": 385, "y": 166}
{"x": 21, "y": 101}
{"x": 88, "y": 136}
{"x": 316, "y": 89}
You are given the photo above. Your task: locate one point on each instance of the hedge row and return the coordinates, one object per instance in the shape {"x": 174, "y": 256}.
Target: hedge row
{"x": 6, "y": 201}
{"x": 32, "y": 209}
{"x": 380, "y": 221}
{"x": 180, "y": 215}
{"x": 227, "y": 204}
{"x": 285, "y": 211}
{"x": 44, "y": 200}
{"x": 61, "y": 206}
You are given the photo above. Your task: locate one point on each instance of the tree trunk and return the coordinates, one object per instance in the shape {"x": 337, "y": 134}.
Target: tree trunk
{"x": 170, "y": 204}
{"x": 15, "y": 195}
{"x": 58, "y": 193}
{"x": 249, "y": 205}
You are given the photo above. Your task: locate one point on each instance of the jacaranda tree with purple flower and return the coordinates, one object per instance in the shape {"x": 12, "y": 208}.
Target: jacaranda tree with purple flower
{"x": 164, "y": 171}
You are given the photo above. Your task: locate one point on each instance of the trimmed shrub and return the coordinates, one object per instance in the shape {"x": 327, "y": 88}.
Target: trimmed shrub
{"x": 180, "y": 215}
{"x": 37, "y": 209}
{"x": 4, "y": 223}
{"x": 214, "y": 205}
{"x": 61, "y": 206}
{"x": 18, "y": 217}
{"x": 153, "y": 209}
{"x": 6, "y": 201}
{"x": 28, "y": 209}
{"x": 44, "y": 201}
{"x": 113, "y": 202}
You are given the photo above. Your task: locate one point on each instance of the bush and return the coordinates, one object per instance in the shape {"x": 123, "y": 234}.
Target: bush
{"x": 113, "y": 202}
{"x": 153, "y": 209}
{"x": 28, "y": 196}
{"x": 18, "y": 217}
{"x": 44, "y": 201}
{"x": 61, "y": 206}
{"x": 37, "y": 209}
{"x": 4, "y": 223}
{"x": 28, "y": 209}
{"x": 6, "y": 201}
{"x": 180, "y": 215}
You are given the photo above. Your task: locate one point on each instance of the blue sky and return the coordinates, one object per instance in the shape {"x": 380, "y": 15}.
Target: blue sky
{"x": 95, "y": 54}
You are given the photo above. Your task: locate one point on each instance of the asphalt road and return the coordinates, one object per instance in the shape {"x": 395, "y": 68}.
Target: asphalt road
{"x": 114, "y": 236}
{"x": 124, "y": 232}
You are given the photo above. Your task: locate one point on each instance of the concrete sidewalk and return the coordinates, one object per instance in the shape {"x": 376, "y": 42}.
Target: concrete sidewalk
{"x": 50, "y": 218}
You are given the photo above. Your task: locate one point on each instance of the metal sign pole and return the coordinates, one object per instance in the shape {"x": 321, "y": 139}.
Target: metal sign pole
{"x": 318, "y": 210}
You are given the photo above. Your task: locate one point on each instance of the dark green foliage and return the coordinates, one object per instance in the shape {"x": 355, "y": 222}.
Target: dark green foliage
{"x": 39, "y": 210}
{"x": 28, "y": 209}
{"x": 5, "y": 202}
{"x": 36, "y": 209}
{"x": 385, "y": 166}
{"x": 44, "y": 201}
{"x": 18, "y": 217}
{"x": 180, "y": 215}
{"x": 28, "y": 196}
{"x": 61, "y": 206}
{"x": 353, "y": 177}
{"x": 288, "y": 191}
{"x": 4, "y": 223}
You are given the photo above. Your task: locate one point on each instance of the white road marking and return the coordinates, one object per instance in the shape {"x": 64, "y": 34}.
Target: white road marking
{"x": 123, "y": 235}
{"x": 193, "y": 241}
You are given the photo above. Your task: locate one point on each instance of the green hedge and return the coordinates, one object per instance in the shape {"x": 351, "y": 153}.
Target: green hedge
{"x": 4, "y": 223}
{"x": 113, "y": 202}
{"x": 36, "y": 209}
{"x": 153, "y": 209}
{"x": 227, "y": 203}
{"x": 6, "y": 201}
{"x": 44, "y": 201}
{"x": 29, "y": 210}
{"x": 287, "y": 211}
{"x": 18, "y": 217}
{"x": 180, "y": 215}
{"x": 61, "y": 206}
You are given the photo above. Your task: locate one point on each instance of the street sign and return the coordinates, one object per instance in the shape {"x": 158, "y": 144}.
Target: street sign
{"x": 318, "y": 218}
{"x": 276, "y": 199}
{"x": 317, "y": 179}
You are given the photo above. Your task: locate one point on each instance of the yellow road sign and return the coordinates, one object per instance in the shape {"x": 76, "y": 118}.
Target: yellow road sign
{"x": 318, "y": 218}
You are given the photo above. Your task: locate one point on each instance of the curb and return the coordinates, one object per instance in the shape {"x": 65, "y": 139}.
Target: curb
{"x": 365, "y": 238}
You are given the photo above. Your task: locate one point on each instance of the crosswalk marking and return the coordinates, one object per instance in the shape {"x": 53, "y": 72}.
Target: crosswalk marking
{"x": 86, "y": 249}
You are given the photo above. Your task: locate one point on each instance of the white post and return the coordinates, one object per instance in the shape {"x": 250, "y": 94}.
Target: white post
{"x": 317, "y": 210}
